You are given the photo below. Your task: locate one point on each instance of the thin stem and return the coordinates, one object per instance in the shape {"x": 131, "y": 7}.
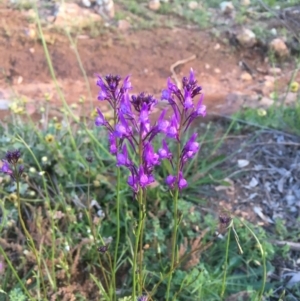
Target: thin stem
{"x": 27, "y": 235}
{"x": 226, "y": 263}
{"x": 175, "y": 227}
{"x": 114, "y": 271}
{"x": 263, "y": 256}
{"x": 136, "y": 248}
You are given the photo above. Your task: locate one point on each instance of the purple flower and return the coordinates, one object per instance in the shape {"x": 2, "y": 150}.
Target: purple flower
{"x": 149, "y": 156}
{"x": 138, "y": 101}
{"x": 100, "y": 119}
{"x": 122, "y": 157}
{"x": 200, "y": 108}
{"x": 172, "y": 87}
{"x": 103, "y": 93}
{"x": 122, "y": 129}
{"x": 125, "y": 105}
{"x": 191, "y": 147}
{"x": 144, "y": 120}
{"x": 163, "y": 124}
{"x": 170, "y": 180}
{"x": 192, "y": 76}
{"x": 164, "y": 152}
{"x": 127, "y": 84}
{"x": 112, "y": 82}
{"x": 132, "y": 182}
{"x": 188, "y": 102}
{"x": 142, "y": 298}
{"x": 112, "y": 144}
{"x": 172, "y": 130}
{"x": 144, "y": 178}
{"x": 182, "y": 183}
{"x": 12, "y": 158}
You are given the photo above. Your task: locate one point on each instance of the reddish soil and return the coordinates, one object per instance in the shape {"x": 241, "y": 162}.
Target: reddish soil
{"x": 145, "y": 54}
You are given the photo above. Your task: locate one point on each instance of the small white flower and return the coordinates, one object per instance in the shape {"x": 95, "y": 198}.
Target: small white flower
{"x": 101, "y": 213}
{"x": 44, "y": 159}
{"x": 32, "y": 170}
{"x": 41, "y": 173}
{"x": 32, "y": 193}
{"x": 67, "y": 247}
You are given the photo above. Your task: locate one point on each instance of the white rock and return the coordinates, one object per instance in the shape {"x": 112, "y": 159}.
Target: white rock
{"x": 246, "y": 38}
{"x": 217, "y": 70}
{"x": 193, "y": 5}
{"x": 217, "y": 46}
{"x": 274, "y": 71}
{"x": 154, "y": 5}
{"x": 86, "y": 3}
{"x": 245, "y": 2}
{"x": 226, "y": 7}
{"x": 279, "y": 47}
{"x": 273, "y": 31}
{"x": 242, "y": 163}
{"x": 253, "y": 183}
{"x": 123, "y": 25}
{"x": 245, "y": 76}
{"x": 106, "y": 8}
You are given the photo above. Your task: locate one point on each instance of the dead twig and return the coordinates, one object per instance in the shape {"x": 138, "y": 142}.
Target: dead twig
{"x": 295, "y": 246}
{"x": 180, "y": 62}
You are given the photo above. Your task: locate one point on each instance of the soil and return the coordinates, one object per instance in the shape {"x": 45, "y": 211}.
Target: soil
{"x": 146, "y": 55}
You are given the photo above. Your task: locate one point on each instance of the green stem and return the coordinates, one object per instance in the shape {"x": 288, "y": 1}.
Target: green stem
{"x": 28, "y": 236}
{"x": 176, "y": 223}
{"x": 114, "y": 271}
{"x": 263, "y": 256}
{"x": 226, "y": 263}
{"x": 136, "y": 248}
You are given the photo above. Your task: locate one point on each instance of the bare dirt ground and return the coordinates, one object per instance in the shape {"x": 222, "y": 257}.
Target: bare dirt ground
{"x": 146, "y": 55}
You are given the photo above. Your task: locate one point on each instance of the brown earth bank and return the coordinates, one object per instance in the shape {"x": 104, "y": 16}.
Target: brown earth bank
{"x": 147, "y": 55}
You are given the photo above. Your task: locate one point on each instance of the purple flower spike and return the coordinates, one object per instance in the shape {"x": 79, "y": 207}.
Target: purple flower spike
{"x": 188, "y": 102}
{"x": 100, "y": 119}
{"x": 144, "y": 179}
{"x": 191, "y": 146}
{"x": 133, "y": 183}
{"x": 127, "y": 84}
{"x": 182, "y": 183}
{"x": 125, "y": 105}
{"x": 102, "y": 95}
{"x": 200, "y": 108}
{"x": 170, "y": 180}
{"x": 12, "y": 159}
{"x": 6, "y": 169}
{"x": 164, "y": 152}
{"x": 172, "y": 130}
{"x": 122, "y": 157}
{"x": 112, "y": 144}
{"x": 162, "y": 123}
{"x": 192, "y": 76}
{"x": 172, "y": 87}
{"x": 150, "y": 157}
{"x": 122, "y": 129}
